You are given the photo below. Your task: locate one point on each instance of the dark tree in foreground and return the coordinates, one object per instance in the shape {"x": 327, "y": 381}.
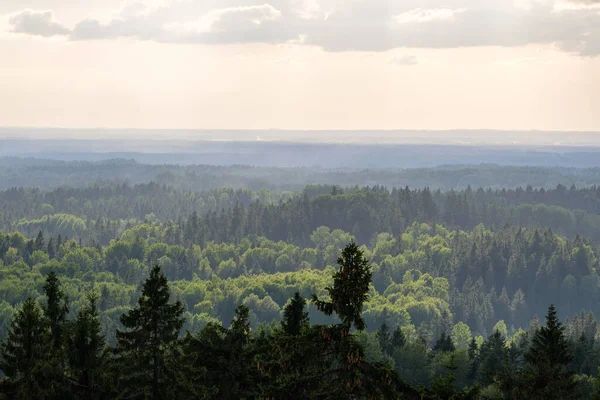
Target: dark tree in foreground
{"x": 547, "y": 374}
{"x": 145, "y": 346}
{"x": 350, "y": 288}
{"x": 56, "y": 308}
{"x": 295, "y": 318}
{"x": 87, "y": 349}
{"x": 24, "y": 350}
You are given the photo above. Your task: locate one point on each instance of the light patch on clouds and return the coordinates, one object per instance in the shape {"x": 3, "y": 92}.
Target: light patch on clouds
{"x": 223, "y": 20}
{"x": 405, "y": 60}
{"x": 37, "y": 23}
{"x": 343, "y": 25}
{"x": 306, "y": 9}
{"x": 420, "y": 15}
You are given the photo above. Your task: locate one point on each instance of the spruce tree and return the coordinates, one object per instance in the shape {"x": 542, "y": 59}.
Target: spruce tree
{"x": 55, "y": 311}
{"x": 444, "y": 344}
{"x": 384, "y": 339}
{"x": 50, "y": 248}
{"x": 398, "y": 338}
{"x": 87, "y": 349}
{"x": 39, "y": 243}
{"x": 295, "y": 318}
{"x": 56, "y": 308}
{"x": 150, "y": 334}
{"x": 547, "y": 374}
{"x": 24, "y": 351}
{"x": 350, "y": 288}
{"x": 473, "y": 353}
{"x": 491, "y": 357}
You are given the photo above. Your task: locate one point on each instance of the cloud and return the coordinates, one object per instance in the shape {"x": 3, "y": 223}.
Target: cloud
{"x": 38, "y": 23}
{"x": 420, "y": 15}
{"x": 222, "y": 21}
{"x": 346, "y": 25}
{"x": 254, "y": 23}
{"x": 405, "y": 60}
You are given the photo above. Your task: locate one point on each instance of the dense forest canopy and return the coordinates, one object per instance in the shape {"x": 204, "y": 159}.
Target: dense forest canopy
{"x": 449, "y": 291}
{"x": 456, "y": 174}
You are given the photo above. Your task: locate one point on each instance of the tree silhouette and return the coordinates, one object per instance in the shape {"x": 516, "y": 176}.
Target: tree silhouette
{"x": 547, "y": 374}
{"x": 151, "y": 331}
{"x": 350, "y": 288}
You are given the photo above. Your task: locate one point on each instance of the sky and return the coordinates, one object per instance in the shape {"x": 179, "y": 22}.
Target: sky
{"x": 301, "y": 64}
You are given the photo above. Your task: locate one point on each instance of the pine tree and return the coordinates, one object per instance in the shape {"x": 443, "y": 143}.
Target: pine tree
{"x": 398, "y": 338}
{"x": 240, "y": 326}
{"x": 547, "y": 374}
{"x": 350, "y": 288}
{"x": 473, "y": 353}
{"x": 55, "y": 311}
{"x": 24, "y": 351}
{"x": 39, "y": 243}
{"x": 443, "y": 344}
{"x": 56, "y": 308}
{"x": 384, "y": 339}
{"x": 50, "y": 248}
{"x": 87, "y": 348}
{"x": 150, "y": 334}
{"x": 295, "y": 318}
{"x": 491, "y": 357}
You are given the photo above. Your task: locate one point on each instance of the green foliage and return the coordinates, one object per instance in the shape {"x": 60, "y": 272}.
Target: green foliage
{"x": 295, "y": 319}
{"x": 24, "y": 352}
{"x": 144, "y": 346}
{"x": 547, "y": 374}
{"x": 350, "y": 288}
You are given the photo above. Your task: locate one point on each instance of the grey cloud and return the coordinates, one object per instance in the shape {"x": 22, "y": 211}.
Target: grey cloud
{"x": 39, "y": 23}
{"x": 355, "y": 25}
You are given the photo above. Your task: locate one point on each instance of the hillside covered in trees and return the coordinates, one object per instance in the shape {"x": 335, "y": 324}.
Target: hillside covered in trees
{"x": 464, "y": 292}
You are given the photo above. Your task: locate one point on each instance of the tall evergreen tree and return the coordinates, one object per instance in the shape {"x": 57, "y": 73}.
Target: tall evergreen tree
{"x": 24, "y": 351}
{"x": 56, "y": 308}
{"x": 55, "y": 311}
{"x": 350, "y": 288}
{"x": 87, "y": 349}
{"x": 398, "y": 338}
{"x": 547, "y": 374}
{"x": 150, "y": 334}
{"x": 39, "y": 243}
{"x": 295, "y": 318}
{"x": 384, "y": 339}
{"x": 50, "y": 250}
{"x": 443, "y": 344}
{"x": 491, "y": 357}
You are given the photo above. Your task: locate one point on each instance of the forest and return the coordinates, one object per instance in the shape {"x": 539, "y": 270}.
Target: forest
{"x": 178, "y": 288}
